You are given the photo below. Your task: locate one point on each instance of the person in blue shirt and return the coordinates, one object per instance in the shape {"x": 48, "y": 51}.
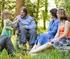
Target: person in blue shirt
{"x": 26, "y": 25}
{"x": 52, "y": 30}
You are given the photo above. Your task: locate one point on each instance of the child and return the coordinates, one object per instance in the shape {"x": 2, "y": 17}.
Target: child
{"x": 5, "y": 41}
{"x": 7, "y": 29}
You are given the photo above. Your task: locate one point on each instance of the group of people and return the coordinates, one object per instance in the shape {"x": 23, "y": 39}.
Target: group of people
{"x": 58, "y": 33}
{"x": 23, "y": 24}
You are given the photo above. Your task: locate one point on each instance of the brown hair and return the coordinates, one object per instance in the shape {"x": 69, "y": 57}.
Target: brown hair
{"x": 24, "y": 9}
{"x": 65, "y": 16}
{"x": 68, "y": 18}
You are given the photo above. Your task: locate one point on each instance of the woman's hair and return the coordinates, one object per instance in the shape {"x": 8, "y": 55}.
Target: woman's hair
{"x": 65, "y": 16}
{"x": 24, "y": 10}
{"x": 54, "y": 12}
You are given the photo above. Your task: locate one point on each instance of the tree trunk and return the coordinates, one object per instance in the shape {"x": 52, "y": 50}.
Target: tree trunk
{"x": 3, "y": 7}
{"x": 37, "y": 13}
{"x": 19, "y": 4}
{"x": 45, "y": 13}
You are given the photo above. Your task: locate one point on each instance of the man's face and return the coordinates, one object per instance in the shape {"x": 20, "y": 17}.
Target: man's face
{"x": 22, "y": 13}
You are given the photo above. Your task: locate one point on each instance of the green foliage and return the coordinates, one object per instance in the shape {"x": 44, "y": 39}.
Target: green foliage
{"x": 38, "y": 9}
{"x": 67, "y": 6}
{"x": 6, "y": 4}
{"x": 52, "y": 54}
{"x": 35, "y": 9}
{"x": 63, "y": 4}
{"x": 4, "y": 55}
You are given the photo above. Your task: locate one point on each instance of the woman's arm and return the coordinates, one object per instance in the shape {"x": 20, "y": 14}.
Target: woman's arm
{"x": 57, "y": 34}
{"x": 66, "y": 29}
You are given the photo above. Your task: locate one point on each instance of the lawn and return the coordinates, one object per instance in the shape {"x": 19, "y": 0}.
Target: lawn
{"x": 48, "y": 54}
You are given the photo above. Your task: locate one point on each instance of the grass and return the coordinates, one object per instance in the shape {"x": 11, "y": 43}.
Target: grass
{"x": 52, "y": 54}
{"x": 49, "y": 54}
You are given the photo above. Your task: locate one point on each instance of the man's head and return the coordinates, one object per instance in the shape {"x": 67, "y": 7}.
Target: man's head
{"x": 23, "y": 11}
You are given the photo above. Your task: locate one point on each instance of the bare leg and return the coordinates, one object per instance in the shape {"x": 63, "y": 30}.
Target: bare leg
{"x": 45, "y": 46}
{"x": 35, "y": 47}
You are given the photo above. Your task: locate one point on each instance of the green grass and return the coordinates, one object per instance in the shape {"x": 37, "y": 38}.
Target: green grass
{"x": 49, "y": 54}
{"x": 52, "y": 54}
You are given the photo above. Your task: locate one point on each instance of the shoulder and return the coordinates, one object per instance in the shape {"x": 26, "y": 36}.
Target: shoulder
{"x": 30, "y": 17}
{"x": 57, "y": 20}
{"x": 67, "y": 22}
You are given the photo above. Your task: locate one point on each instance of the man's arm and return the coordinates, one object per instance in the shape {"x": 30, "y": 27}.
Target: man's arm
{"x": 32, "y": 25}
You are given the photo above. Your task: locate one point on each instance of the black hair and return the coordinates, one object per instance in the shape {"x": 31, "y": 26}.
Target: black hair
{"x": 54, "y": 12}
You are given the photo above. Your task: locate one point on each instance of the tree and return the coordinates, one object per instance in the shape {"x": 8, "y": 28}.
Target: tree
{"x": 3, "y": 7}
{"x": 45, "y": 13}
{"x": 19, "y": 4}
{"x": 63, "y": 4}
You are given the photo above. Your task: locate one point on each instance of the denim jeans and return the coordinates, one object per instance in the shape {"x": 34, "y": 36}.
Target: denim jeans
{"x": 31, "y": 33}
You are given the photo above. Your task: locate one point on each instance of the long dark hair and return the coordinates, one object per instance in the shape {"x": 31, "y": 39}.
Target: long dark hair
{"x": 54, "y": 12}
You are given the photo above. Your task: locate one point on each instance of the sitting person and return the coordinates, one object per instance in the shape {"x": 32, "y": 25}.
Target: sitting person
{"x": 53, "y": 26}
{"x": 63, "y": 34}
{"x": 26, "y": 24}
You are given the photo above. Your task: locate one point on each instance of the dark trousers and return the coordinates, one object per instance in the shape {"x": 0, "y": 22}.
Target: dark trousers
{"x": 25, "y": 33}
{"x": 5, "y": 42}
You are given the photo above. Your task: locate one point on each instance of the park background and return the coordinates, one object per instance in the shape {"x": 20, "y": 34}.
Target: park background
{"x": 39, "y": 9}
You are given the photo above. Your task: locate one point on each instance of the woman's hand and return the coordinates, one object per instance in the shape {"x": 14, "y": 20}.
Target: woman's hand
{"x": 55, "y": 40}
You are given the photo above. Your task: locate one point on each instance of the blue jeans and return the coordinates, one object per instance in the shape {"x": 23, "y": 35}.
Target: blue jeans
{"x": 44, "y": 38}
{"x": 27, "y": 32}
